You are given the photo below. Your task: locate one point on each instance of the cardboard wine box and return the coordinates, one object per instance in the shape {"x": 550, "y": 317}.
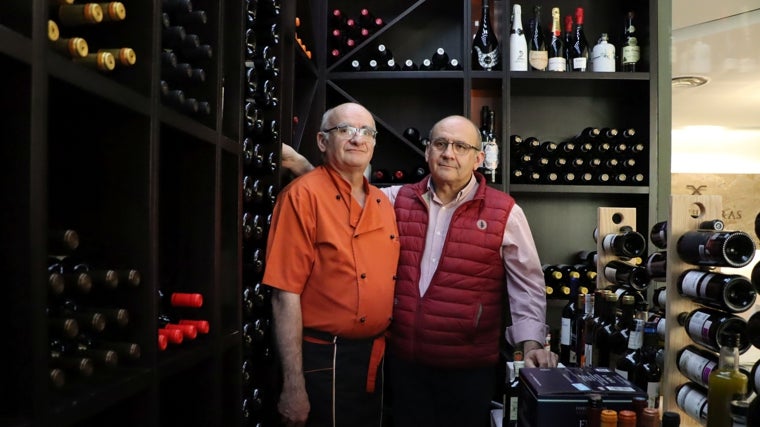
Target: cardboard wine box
{"x": 558, "y": 397}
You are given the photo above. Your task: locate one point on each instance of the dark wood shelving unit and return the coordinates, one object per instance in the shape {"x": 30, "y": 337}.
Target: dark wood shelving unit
{"x": 146, "y": 187}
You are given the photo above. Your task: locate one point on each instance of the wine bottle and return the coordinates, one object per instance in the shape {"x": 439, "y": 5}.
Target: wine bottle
{"x": 704, "y": 326}
{"x": 603, "y": 55}
{"x": 538, "y": 56}
{"x": 125, "y": 56}
{"x": 648, "y": 373}
{"x": 552, "y": 276}
{"x": 491, "y": 147}
{"x": 518, "y": 44}
{"x": 61, "y": 359}
{"x": 716, "y": 249}
{"x": 659, "y": 235}
{"x": 101, "y": 61}
{"x": 78, "y": 14}
{"x": 62, "y": 242}
{"x": 630, "y": 50}
{"x": 568, "y": 42}
{"x": 621, "y": 332}
{"x": 603, "y": 332}
{"x": 74, "y": 47}
{"x": 657, "y": 266}
{"x": 729, "y": 292}
{"x": 627, "y": 244}
{"x": 86, "y": 319}
{"x": 113, "y": 11}
{"x": 126, "y": 351}
{"x": 725, "y": 383}
{"x": 690, "y": 398}
{"x": 626, "y": 365}
{"x": 439, "y": 59}
{"x": 409, "y": 65}
{"x": 557, "y": 61}
{"x": 567, "y": 354}
{"x": 579, "y": 51}
{"x": 625, "y": 274}
{"x": 485, "y": 46}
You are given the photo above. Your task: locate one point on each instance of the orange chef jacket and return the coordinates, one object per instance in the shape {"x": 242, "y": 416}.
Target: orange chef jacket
{"x": 339, "y": 257}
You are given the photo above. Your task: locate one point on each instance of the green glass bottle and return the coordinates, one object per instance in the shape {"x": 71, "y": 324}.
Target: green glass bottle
{"x": 725, "y": 383}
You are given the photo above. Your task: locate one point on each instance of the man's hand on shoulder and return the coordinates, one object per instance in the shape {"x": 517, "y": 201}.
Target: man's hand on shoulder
{"x": 294, "y": 161}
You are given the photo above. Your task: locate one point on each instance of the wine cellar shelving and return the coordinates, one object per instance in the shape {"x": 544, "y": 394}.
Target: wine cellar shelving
{"x": 147, "y": 187}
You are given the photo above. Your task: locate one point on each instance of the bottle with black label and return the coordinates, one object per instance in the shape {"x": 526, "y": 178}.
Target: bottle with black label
{"x": 485, "y": 46}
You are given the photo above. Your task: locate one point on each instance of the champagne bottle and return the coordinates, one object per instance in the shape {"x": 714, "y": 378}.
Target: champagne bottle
{"x": 579, "y": 51}
{"x": 704, "y": 326}
{"x": 630, "y": 50}
{"x": 716, "y": 249}
{"x": 603, "y": 55}
{"x": 538, "y": 56}
{"x": 440, "y": 59}
{"x": 485, "y": 46}
{"x": 518, "y": 45}
{"x": 725, "y": 383}
{"x": 557, "y": 60}
{"x": 729, "y": 292}
{"x": 568, "y": 42}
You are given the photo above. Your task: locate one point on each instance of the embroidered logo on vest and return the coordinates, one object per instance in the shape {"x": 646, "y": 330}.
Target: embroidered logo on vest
{"x": 482, "y": 224}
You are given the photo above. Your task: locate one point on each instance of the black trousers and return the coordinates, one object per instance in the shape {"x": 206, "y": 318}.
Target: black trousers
{"x": 336, "y": 382}
{"x": 423, "y": 396}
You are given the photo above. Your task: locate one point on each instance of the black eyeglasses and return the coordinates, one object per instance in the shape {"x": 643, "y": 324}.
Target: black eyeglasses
{"x": 348, "y": 132}
{"x": 459, "y": 147}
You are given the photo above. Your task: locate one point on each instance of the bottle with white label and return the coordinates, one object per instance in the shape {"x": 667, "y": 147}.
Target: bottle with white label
{"x": 518, "y": 44}
{"x": 603, "y": 56}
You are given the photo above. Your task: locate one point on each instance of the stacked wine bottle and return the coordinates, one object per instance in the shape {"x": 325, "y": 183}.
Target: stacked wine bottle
{"x": 185, "y": 57}
{"x": 715, "y": 325}
{"x": 79, "y": 31}
{"x": 260, "y": 150}
{"x": 345, "y": 32}
{"x": 595, "y": 156}
{"x": 88, "y": 325}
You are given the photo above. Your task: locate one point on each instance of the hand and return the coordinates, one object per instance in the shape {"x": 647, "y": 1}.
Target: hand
{"x": 541, "y": 358}
{"x": 293, "y": 161}
{"x": 294, "y": 407}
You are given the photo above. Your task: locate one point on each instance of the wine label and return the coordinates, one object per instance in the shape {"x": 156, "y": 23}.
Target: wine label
{"x": 538, "y": 59}
{"x": 491, "y": 151}
{"x": 692, "y": 401}
{"x": 564, "y": 332}
{"x": 696, "y": 367}
{"x": 557, "y": 64}
{"x": 631, "y": 52}
{"x": 694, "y": 282}
{"x": 699, "y": 327}
{"x": 579, "y": 64}
{"x": 487, "y": 60}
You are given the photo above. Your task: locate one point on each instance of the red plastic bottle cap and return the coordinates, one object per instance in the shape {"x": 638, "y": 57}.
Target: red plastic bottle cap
{"x": 174, "y": 336}
{"x": 188, "y": 331}
{"x": 163, "y": 342}
{"x": 201, "y": 325}
{"x": 182, "y": 299}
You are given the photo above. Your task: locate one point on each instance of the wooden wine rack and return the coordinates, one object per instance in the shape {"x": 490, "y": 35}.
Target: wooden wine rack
{"x": 609, "y": 221}
{"x": 686, "y": 213}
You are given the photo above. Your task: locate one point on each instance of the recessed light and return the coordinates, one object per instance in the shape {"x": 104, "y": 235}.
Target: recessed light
{"x": 689, "y": 81}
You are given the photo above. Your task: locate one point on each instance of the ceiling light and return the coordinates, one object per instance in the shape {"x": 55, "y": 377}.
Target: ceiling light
{"x": 689, "y": 81}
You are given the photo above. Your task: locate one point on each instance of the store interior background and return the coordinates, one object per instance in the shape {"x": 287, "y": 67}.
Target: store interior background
{"x": 716, "y": 126}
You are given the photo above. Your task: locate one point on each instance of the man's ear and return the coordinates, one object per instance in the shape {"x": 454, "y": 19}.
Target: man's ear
{"x": 321, "y": 141}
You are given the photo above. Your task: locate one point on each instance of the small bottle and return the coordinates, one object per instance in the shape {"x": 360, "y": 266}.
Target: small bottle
{"x": 594, "y": 410}
{"x": 671, "y": 419}
{"x": 725, "y": 383}
{"x": 626, "y": 418}
{"x": 659, "y": 235}
{"x": 603, "y": 55}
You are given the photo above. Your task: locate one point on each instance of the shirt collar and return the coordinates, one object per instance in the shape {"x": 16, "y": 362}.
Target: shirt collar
{"x": 461, "y": 196}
